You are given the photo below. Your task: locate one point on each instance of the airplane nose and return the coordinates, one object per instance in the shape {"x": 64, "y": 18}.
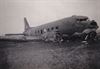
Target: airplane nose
{"x": 93, "y": 24}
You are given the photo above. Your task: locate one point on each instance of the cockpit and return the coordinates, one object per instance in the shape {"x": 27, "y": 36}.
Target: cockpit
{"x": 81, "y": 18}
{"x": 84, "y": 21}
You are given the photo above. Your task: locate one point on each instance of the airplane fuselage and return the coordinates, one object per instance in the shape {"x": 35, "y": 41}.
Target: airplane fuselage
{"x": 67, "y": 26}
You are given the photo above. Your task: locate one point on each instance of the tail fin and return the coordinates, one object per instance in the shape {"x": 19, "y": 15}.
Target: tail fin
{"x": 26, "y": 24}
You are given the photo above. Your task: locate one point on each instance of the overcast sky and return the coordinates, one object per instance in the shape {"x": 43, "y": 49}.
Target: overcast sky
{"x": 39, "y": 12}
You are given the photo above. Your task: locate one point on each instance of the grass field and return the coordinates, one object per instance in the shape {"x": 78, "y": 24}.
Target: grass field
{"x": 48, "y": 55}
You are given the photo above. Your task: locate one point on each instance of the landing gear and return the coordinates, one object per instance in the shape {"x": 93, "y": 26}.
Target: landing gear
{"x": 58, "y": 37}
{"x": 90, "y": 37}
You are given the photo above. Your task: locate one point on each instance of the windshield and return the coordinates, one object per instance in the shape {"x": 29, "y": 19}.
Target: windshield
{"x": 82, "y": 19}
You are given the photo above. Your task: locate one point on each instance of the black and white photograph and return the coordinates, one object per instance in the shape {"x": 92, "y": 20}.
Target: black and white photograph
{"x": 49, "y": 34}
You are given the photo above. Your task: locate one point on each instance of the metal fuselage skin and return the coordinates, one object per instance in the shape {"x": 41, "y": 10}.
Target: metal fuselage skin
{"x": 68, "y": 26}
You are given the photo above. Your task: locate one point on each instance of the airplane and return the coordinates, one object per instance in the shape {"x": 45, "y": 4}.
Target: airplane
{"x": 70, "y": 27}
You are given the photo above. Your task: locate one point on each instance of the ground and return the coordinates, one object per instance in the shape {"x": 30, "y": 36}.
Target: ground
{"x": 49, "y": 55}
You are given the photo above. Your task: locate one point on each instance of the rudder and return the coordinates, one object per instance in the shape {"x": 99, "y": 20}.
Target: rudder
{"x": 26, "y": 24}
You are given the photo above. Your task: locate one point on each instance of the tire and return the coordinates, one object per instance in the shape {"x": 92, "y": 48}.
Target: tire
{"x": 90, "y": 36}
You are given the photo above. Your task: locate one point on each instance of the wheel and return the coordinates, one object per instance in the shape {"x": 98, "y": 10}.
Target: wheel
{"x": 90, "y": 36}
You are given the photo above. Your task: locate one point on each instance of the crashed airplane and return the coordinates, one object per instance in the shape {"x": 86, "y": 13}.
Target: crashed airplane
{"x": 67, "y": 28}
{"x": 79, "y": 26}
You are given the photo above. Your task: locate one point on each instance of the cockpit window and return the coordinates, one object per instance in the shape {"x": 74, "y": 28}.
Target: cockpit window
{"x": 82, "y": 19}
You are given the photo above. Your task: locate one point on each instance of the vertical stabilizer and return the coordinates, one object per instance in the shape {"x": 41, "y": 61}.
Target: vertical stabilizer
{"x": 26, "y": 24}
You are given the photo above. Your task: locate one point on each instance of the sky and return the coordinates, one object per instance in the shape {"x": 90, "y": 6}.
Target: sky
{"x": 40, "y": 12}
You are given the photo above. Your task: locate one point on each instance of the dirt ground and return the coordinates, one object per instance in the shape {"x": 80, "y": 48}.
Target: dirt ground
{"x": 49, "y": 55}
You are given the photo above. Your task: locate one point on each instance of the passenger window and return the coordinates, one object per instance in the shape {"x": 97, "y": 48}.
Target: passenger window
{"x": 52, "y": 28}
{"x": 56, "y": 27}
{"x": 48, "y": 29}
{"x": 41, "y": 31}
{"x": 38, "y": 31}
